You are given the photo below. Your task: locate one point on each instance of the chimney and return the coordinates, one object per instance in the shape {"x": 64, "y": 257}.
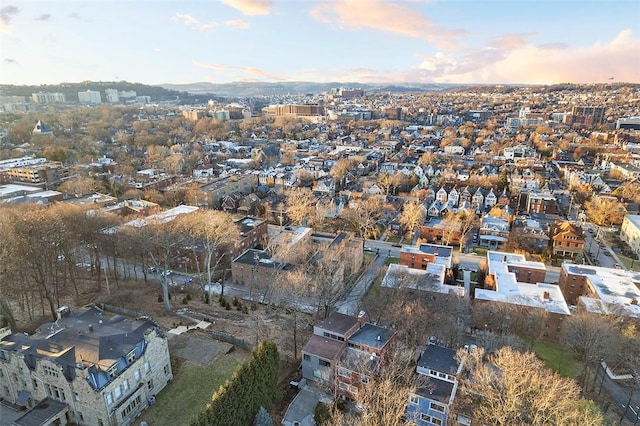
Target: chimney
{"x": 362, "y": 318}
{"x": 546, "y": 295}
{"x": 378, "y": 338}
{"x": 63, "y": 312}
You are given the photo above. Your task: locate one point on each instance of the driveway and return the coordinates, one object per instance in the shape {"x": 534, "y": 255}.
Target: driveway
{"x": 303, "y": 406}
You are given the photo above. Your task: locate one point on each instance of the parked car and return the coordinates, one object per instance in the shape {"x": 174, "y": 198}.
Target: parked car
{"x": 152, "y": 269}
{"x": 167, "y": 273}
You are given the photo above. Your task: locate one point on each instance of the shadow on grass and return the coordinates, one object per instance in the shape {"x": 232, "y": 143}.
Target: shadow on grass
{"x": 191, "y": 389}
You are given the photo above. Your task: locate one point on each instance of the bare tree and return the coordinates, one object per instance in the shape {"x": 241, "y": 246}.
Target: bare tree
{"x": 515, "y": 388}
{"x": 412, "y": 216}
{"x": 300, "y": 205}
{"x": 362, "y": 217}
{"x": 212, "y": 233}
{"x": 591, "y": 337}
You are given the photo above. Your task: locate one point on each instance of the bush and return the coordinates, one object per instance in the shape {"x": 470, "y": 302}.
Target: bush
{"x": 254, "y": 306}
{"x": 188, "y": 296}
{"x": 245, "y": 310}
{"x": 227, "y": 307}
{"x": 206, "y": 298}
{"x": 236, "y": 302}
{"x": 322, "y": 414}
{"x": 185, "y": 300}
{"x": 239, "y": 307}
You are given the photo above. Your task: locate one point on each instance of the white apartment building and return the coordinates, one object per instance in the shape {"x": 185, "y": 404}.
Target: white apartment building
{"x": 90, "y": 97}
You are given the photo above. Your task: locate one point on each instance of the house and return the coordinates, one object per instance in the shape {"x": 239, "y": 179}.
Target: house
{"x": 490, "y": 199}
{"x": 203, "y": 171}
{"x": 90, "y": 368}
{"x": 438, "y": 372}
{"x": 568, "y": 239}
{"x": 363, "y": 358}
{"x": 493, "y": 232}
{"x": 323, "y": 350}
{"x": 421, "y": 256}
{"x": 247, "y": 204}
{"x": 231, "y": 202}
{"x": 437, "y": 230}
{"x": 344, "y": 352}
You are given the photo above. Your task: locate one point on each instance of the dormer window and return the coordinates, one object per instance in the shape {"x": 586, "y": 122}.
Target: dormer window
{"x": 113, "y": 371}
{"x": 131, "y": 356}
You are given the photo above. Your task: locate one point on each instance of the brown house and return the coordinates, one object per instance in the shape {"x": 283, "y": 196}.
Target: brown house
{"x": 568, "y": 239}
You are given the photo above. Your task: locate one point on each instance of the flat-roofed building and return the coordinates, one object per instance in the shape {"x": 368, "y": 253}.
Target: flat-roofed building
{"x": 423, "y": 255}
{"x": 508, "y": 289}
{"x": 630, "y": 232}
{"x": 601, "y": 290}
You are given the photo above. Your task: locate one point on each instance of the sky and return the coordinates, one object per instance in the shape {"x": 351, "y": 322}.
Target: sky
{"x": 365, "y": 41}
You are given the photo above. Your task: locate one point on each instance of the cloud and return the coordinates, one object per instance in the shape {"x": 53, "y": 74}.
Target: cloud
{"x": 185, "y": 18}
{"x": 542, "y": 64}
{"x": 10, "y": 61}
{"x": 7, "y": 13}
{"x": 382, "y": 15}
{"x": 191, "y": 21}
{"x": 44, "y": 17}
{"x": 237, "y": 23}
{"x": 250, "y": 7}
{"x": 74, "y": 15}
{"x": 241, "y": 72}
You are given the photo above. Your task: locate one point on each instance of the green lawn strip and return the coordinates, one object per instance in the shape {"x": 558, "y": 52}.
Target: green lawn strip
{"x": 557, "y": 358}
{"x": 627, "y": 261}
{"x": 391, "y": 260}
{"x": 190, "y": 390}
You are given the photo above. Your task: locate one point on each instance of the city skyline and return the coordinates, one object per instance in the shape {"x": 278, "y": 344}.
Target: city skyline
{"x": 371, "y": 41}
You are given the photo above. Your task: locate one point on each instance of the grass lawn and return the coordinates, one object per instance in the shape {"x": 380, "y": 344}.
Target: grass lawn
{"x": 391, "y": 260}
{"x": 190, "y": 390}
{"x": 557, "y": 358}
{"x": 627, "y": 262}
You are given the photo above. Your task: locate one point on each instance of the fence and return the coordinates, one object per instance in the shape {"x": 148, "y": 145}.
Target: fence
{"x": 122, "y": 311}
{"x": 228, "y": 338}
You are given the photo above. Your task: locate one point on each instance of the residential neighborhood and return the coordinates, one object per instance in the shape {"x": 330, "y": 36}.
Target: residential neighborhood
{"x": 388, "y": 243}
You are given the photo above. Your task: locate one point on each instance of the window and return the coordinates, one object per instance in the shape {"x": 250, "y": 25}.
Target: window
{"x": 306, "y": 357}
{"x": 431, "y": 420}
{"x": 413, "y": 399}
{"x": 150, "y": 384}
{"x": 166, "y": 370}
{"x": 324, "y": 363}
{"x": 365, "y": 380}
{"x": 125, "y": 385}
{"x": 80, "y": 416}
{"x": 76, "y": 396}
{"x": 131, "y": 356}
{"x": 437, "y": 407}
{"x": 113, "y": 370}
{"x": 136, "y": 375}
{"x": 50, "y": 371}
{"x": 117, "y": 393}
{"x": 147, "y": 367}
{"x": 108, "y": 398}
{"x": 343, "y": 372}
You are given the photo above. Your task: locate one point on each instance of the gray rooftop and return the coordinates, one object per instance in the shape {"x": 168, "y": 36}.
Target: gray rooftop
{"x": 372, "y": 335}
{"x": 41, "y": 414}
{"x": 440, "y": 359}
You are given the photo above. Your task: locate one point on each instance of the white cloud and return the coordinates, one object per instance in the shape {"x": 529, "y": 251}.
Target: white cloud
{"x": 544, "y": 64}
{"x": 385, "y": 16}
{"x": 250, "y": 7}
{"x": 237, "y": 23}
{"x": 192, "y": 21}
{"x": 7, "y": 13}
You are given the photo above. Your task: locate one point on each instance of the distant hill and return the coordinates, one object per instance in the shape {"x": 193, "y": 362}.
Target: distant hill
{"x": 70, "y": 90}
{"x": 252, "y": 89}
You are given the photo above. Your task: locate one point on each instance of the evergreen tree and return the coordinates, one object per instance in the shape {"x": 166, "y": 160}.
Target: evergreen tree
{"x": 262, "y": 418}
